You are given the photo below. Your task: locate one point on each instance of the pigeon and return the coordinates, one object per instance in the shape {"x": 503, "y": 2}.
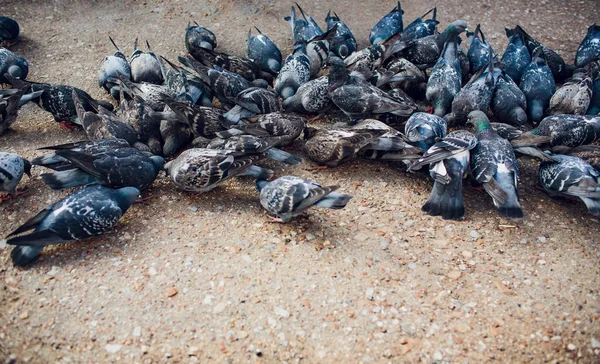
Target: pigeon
{"x": 9, "y": 30}
{"x": 407, "y": 76}
{"x": 463, "y": 59}
{"x": 146, "y": 66}
{"x": 302, "y": 29}
{"x": 84, "y": 213}
{"x": 197, "y": 38}
{"x": 252, "y": 101}
{"x": 569, "y": 130}
{"x": 391, "y": 24}
{"x": 10, "y": 102}
{"x": 445, "y": 80}
{"x": 112, "y": 66}
{"x": 333, "y": 147}
{"x": 479, "y": 51}
{"x": 12, "y": 168}
{"x": 343, "y": 43}
{"x": 366, "y": 59}
{"x": 557, "y": 65}
{"x": 201, "y": 170}
{"x": 424, "y": 52}
{"x": 420, "y": 28}
{"x": 475, "y": 95}
{"x": 589, "y": 49}
{"x": 58, "y": 99}
{"x": 285, "y": 128}
{"x": 594, "y": 108}
{"x": 359, "y": 99}
{"x": 136, "y": 114}
{"x": 225, "y": 85}
{"x": 250, "y": 144}
{"x": 179, "y": 79}
{"x": 103, "y": 124}
{"x": 509, "y": 104}
{"x": 289, "y": 196}
{"x": 572, "y": 177}
{"x": 87, "y": 147}
{"x": 203, "y": 121}
{"x": 494, "y": 165}
{"x": 574, "y": 96}
{"x": 423, "y": 129}
{"x": 294, "y": 72}
{"x": 449, "y": 160}
{"x": 317, "y": 51}
{"x": 175, "y": 136}
{"x": 264, "y": 52}
{"x": 538, "y": 86}
{"x": 244, "y": 67}
{"x": 523, "y": 143}
{"x": 589, "y": 153}
{"x": 390, "y": 146}
{"x": 311, "y": 97}
{"x": 116, "y": 168}
{"x": 13, "y": 64}
{"x": 516, "y": 57}
{"x": 150, "y": 93}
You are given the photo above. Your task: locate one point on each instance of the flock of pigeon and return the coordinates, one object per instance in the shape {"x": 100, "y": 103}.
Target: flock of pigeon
{"x": 236, "y": 111}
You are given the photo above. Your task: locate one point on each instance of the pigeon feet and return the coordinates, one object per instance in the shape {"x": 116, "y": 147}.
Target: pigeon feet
{"x": 430, "y": 110}
{"x": 143, "y": 201}
{"x": 316, "y": 169}
{"x": 68, "y": 125}
{"x": 9, "y": 197}
{"x": 275, "y": 220}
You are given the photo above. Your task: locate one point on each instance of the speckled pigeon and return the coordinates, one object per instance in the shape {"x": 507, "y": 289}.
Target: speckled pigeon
{"x": 250, "y": 144}
{"x": 284, "y": 127}
{"x": 294, "y": 72}
{"x": 12, "y": 168}
{"x": 84, "y": 213}
{"x": 569, "y": 130}
{"x": 311, "y": 97}
{"x": 13, "y": 64}
{"x": 264, "y": 52}
{"x": 420, "y": 28}
{"x": 508, "y": 103}
{"x": 146, "y": 66}
{"x": 343, "y": 43}
{"x": 388, "y": 26}
{"x": 10, "y": 102}
{"x": 516, "y": 57}
{"x": 253, "y": 101}
{"x": 537, "y": 83}
{"x": 289, "y": 196}
{"x": 198, "y": 38}
{"x": 423, "y": 129}
{"x": 559, "y": 68}
{"x": 445, "y": 80}
{"x": 574, "y": 96}
{"x": 589, "y": 49}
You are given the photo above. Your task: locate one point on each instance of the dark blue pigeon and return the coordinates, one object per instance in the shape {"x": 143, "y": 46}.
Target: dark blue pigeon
{"x": 290, "y": 196}
{"x": 388, "y": 26}
{"x": 115, "y": 168}
{"x": 90, "y": 211}
{"x": 594, "y": 108}
{"x": 264, "y": 52}
{"x": 444, "y": 82}
{"x": 509, "y": 104}
{"x": 316, "y": 29}
{"x": 560, "y": 69}
{"x": 479, "y": 51}
{"x": 537, "y": 83}
{"x": 302, "y": 30}
{"x": 420, "y": 28}
{"x": 572, "y": 177}
{"x": 13, "y": 64}
{"x": 494, "y": 165}
{"x": 112, "y": 66}
{"x": 589, "y": 49}
{"x": 423, "y": 129}
{"x": 197, "y": 37}
{"x": 516, "y": 57}
{"x": 12, "y": 168}
{"x": 9, "y": 30}
{"x": 343, "y": 42}
{"x": 448, "y": 161}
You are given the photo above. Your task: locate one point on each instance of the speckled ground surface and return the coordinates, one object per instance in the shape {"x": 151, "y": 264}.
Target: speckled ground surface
{"x": 196, "y": 277}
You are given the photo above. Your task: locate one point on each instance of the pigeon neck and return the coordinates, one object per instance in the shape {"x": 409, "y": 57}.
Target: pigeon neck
{"x": 337, "y": 77}
{"x": 483, "y": 126}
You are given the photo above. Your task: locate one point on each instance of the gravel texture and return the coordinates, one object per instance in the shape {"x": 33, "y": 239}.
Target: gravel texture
{"x": 190, "y": 277}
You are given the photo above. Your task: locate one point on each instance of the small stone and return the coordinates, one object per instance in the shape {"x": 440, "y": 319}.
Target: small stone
{"x": 220, "y": 307}
{"x": 24, "y": 315}
{"x": 541, "y": 239}
{"x": 571, "y": 347}
{"x": 172, "y": 291}
{"x": 113, "y": 348}
{"x": 310, "y": 237}
{"x": 541, "y": 262}
{"x": 137, "y": 331}
{"x": 462, "y": 267}
{"x": 474, "y": 234}
{"x": 437, "y": 356}
{"x": 242, "y": 334}
{"x": 152, "y": 271}
{"x": 247, "y": 258}
{"x": 412, "y": 265}
{"x": 193, "y": 208}
{"x": 455, "y": 274}
{"x": 281, "y": 312}
{"x": 54, "y": 271}
{"x": 193, "y": 350}
{"x": 403, "y": 341}
{"x": 467, "y": 254}
{"x": 384, "y": 244}
{"x": 595, "y": 343}
{"x": 369, "y": 293}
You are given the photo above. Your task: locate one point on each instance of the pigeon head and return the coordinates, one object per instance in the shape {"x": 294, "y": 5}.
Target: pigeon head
{"x": 259, "y": 82}
{"x": 158, "y": 162}
{"x": 260, "y": 184}
{"x": 479, "y": 120}
{"x": 15, "y": 71}
{"x": 27, "y": 167}
{"x": 126, "y": 196}
{"x": 456, "y": 27}
{"x": 309, "y": 132}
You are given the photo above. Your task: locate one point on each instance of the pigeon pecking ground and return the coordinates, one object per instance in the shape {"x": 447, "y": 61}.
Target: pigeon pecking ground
{"x": 189, "y": 277}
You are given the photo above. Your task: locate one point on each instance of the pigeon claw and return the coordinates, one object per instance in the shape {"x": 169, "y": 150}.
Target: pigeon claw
{"x": 275, "y": 220}
{"x": 68, "y": 125}
{"x": 9, "y": 197}
{"x": 316, "y": 169}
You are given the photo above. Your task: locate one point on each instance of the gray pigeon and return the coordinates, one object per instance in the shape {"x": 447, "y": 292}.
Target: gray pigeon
{"x": 445, "y": 79}
{"x": 146, "y": 66}
{"x": 10, "y": 102}
{"x": 423, "y": 129}
{"x": 253, "y": 101}
{"x": 509, "y": 104}
{"x": 88, "y": 147}
{"x": 264, "y": 52}
{"x": 589, "y": 49}
{"x": 589, "y": 153}
{"x": 201, "y": 170}
{"x": 574, "y": 96}
{"x": 12, "y": 168}
{"x": 289, "y": 196}
{"x": 13, "y": 64}
{"x": 523, "y": 143}
{"x": 494, "y": 165}
{"x": 538, "y": 86}
{"x": 175, "y": 136}
{"x": 294, "y": 72}
{"x": 250, "y": 144}
{"x": 569, "y": 130}
{"x": 573, "y": 177}
{"x": 112, "y": 66}
{"x": 449, "y": 160}
{"x": 198, "y": 38}
{"x": 87, "y": 212}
